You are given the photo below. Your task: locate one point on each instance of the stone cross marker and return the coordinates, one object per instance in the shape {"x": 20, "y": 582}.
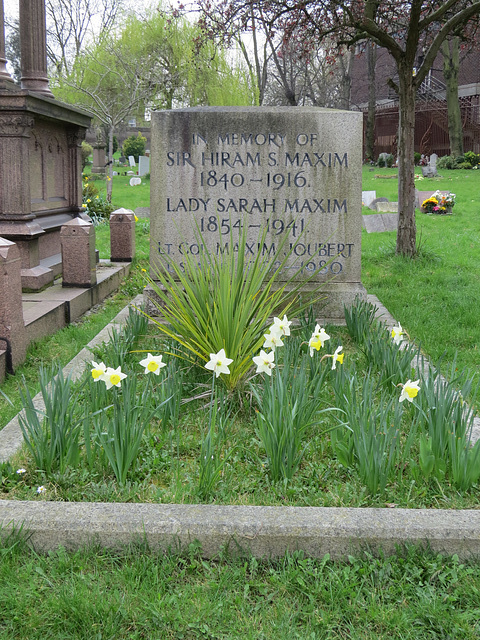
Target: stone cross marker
{"x": 292, "y": 172}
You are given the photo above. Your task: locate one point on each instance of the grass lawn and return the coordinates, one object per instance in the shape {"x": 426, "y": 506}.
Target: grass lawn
{"x": 139, "y": 594}
{"x": 436, "y": 296}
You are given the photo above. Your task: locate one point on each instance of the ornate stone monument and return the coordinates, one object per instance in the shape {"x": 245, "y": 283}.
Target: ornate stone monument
{"x": 40, "y": 158}
{"x": 293, "y": 173}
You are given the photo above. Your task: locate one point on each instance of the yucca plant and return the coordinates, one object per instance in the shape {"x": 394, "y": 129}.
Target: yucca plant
{"x": 225, "y": 301}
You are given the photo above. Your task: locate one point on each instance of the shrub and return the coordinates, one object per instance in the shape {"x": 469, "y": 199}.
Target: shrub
{"x": 381, "y": 162}
{"x": 389, "y": 160}
{"x": 134, "y": 146}
{"x": 87, "y": 151}
{"x": 472, "y": 157}
{"x": 94, "y": 204}
{"x": 416, "y": 157}
{"x": 446, "y": 162}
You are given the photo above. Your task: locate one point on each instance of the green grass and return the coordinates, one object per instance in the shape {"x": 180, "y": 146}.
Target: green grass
{"x": 434, "y": 297}
{"x": 139, "y": 594}
{"x": 414, "y": 595}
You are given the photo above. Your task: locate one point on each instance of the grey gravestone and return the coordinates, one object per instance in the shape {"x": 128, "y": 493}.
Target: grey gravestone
{"x": 134, "y": 182}
{"x": 293, "y": 172}
{"x": 433, "y": 162}
{"x": 378, "y": 222}
{"x": 387, "y": 207}
{"x": 368, "y": 197}
{"x": 121, "y": 159}
{"x": 143, "y": 165}
{"x": 142, "y": 212}
{"x": 131, "y": 161}
{"x": 373, "y": 204}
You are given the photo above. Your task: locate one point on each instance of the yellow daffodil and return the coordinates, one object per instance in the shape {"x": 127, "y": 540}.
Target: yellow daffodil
{"x": 152, "y": 364}
{"x": 409, "y": 390}
{"x": 319, "y": 337}
{"x": 113, "y": 377}
{"x": 337, "y": 357}
{"x": 397, "y": 334}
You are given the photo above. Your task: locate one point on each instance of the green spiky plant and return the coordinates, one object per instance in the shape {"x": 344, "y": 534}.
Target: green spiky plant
{"x": 225, "y": 301}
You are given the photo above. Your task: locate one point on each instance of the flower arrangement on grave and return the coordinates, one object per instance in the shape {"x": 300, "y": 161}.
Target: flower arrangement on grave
{"x": 439, "y": 203}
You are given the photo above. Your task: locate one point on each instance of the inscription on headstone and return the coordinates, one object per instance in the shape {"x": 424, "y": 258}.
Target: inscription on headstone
{"x": 294, "y": 173}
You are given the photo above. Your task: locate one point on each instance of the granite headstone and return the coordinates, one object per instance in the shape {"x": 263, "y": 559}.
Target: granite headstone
{"x": 293, "y": 173}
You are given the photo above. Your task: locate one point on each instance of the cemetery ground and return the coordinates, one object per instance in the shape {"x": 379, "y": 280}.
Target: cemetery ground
{"x": 414, "y": 594}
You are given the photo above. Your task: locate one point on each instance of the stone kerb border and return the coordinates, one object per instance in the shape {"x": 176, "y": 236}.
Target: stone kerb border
{"x": 263, "y": 531}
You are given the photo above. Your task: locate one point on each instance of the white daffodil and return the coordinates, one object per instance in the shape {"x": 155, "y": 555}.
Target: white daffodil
{"x": 410, "y": 390}
{"x": 218, "y": 363}
{"x": 281, "y": 327}
{"x": 265, "y": 362}
{"x": 318, "y": 339}
{"x": 152, "y": 364}
{"x": 98, "y": 371}
{"x": 113, "y": 377}
{"x": 337, "y": 356}
{"x": 272, "y": 340}
{"x": 397, "y": 334}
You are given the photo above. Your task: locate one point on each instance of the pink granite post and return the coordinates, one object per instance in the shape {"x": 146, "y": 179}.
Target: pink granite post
{"x": 33, "y": 45}
{"x": 122, "y": 235}
{"x": 12, "y": 326}
{"x": 77, "y": 238}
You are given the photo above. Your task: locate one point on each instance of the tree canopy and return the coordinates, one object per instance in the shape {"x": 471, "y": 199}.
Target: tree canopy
{"x": 412, "y": 32}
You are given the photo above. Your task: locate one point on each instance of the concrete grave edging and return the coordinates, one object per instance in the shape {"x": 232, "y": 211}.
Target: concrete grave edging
{"x": 262, "y": 531}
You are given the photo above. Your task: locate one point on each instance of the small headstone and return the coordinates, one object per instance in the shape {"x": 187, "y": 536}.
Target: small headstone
{"x": 143, "y": 165}
{"x": 131, "y": 161}
{"x": 130, "y": 173}
{"x": 379, "y": 222}
{"x": 115, "y": 173}
{"x": 429, "y": 172}
{"x": 368, "y": 197}
{"x": 142, "y": 212}
{"x": 121, "y": 159}
{"x": 433, "y": 161}
{"x": 387, "y": 207}
{"x": 135, "y": 181}
{"x": 373, "y": 204}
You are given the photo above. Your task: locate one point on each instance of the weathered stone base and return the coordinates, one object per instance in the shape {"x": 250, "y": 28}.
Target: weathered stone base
{"x": 265, "y": 532}
{"x": 329, "y": 309}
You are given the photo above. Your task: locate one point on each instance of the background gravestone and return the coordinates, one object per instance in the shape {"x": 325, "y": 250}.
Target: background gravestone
{"x": 131, "y": 161}
{"x": 294, "y": 172}
{"x": 143, "y": 165}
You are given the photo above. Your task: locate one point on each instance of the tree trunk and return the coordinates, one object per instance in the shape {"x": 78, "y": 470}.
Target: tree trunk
{"x": 370, "y": 126}
{"x": 406, "y": 232}
{"x": 110, "y": 164}
{"x": 451, "y": 61}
